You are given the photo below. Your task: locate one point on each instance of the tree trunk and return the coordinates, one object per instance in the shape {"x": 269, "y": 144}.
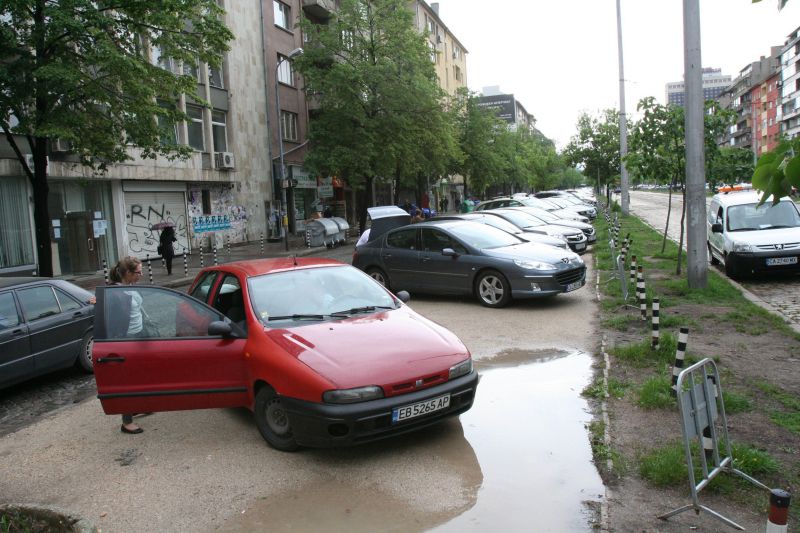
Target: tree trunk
{"x": 669, "y": 212}
{"x": 41, "y": 213}
{"x": 680, "y": 244}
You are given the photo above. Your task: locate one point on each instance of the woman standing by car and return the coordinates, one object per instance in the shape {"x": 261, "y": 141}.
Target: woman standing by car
{"x": 130, "y": 323}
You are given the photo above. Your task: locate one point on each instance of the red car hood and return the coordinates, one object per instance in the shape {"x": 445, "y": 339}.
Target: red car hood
{"x": 378, "y": 349}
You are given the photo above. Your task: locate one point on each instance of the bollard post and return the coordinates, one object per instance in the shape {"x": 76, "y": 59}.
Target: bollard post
{"x": 215, "y": 254}
{"x": 633, "y": 270}
{"x": 185, "y": 265}
{"x": 642, "y": 292}
{"x": 655, "y": 318}
{"x": 680, "y": 355}
{"x": 105, "y": 271}
{"x": 262, "y": 243}
{"x": 201, "y": 255}
{"x": 149, "y": 269}
{"x": 228, "y": 237}
{"x": 308, "y": 237}
{"x": 779, "y": 501}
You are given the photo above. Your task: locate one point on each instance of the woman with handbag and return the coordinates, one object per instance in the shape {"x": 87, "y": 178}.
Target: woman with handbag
{"x": 165, "y": 247}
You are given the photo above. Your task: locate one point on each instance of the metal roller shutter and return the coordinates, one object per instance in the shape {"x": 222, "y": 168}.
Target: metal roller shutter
{"x": 143, "y": 209}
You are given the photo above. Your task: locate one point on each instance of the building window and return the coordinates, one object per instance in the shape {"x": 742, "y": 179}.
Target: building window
{"x": 456, "y": 52}
{"x": 158, "y": 58}
{"x": 289, "y": 126}
{"x": 433, "y": 51}
{"x": 168, "y": 128}
{"x": 285, "y": 70}
{"x": 219, "y": 131}
{"x": 190, "y": 69}
{"x": 215, "y": 77}
{"x": 205, "y": 195}
{"x": 282, "y": 14}
{"x": 457, "y": 73}
{"x": 194, "y": 127}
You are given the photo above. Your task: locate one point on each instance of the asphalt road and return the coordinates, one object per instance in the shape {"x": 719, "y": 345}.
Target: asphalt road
{"x": 524, "y": 441}
{"x": 778, "y": 293}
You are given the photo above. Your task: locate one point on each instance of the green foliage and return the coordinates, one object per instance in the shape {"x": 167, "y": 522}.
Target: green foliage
{"x": 732, "y": 165}
{"x": 778, "y": 171}
{"x": 595, "y": 390}
{"x": 736, "y": 403}
{"x": 789, "y": 414}
{"x": 656, "y": 393}
{"x": 641, "y": 354}
{"x": 595, "y": 147}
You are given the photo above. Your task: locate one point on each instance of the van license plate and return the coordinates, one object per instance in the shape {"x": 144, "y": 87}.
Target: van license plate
{"x": 422, "y": 408}
{"x": 775, "y": 261}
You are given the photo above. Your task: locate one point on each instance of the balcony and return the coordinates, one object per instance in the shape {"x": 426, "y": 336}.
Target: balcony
{"x": 319, "y": 9}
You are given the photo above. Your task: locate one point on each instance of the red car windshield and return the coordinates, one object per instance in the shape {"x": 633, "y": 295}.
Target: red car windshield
{"x": 316, "y": 294}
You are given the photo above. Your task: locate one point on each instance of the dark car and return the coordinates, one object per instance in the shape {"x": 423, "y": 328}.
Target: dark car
{"x": 45, "y": 325}
{"x": 486, "y": 217}
{"x": 320, "y": 353}
{"x": 460, "y": 257}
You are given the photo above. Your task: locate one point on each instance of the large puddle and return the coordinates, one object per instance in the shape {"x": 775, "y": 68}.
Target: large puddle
{"x": 519, "y": 460}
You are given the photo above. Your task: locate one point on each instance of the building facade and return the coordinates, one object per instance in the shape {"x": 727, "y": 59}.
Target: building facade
{"x": 714, "y": 83}
{"x": 448, "y": 55}
{"x": 790, "y": 85}
{"x": 766, "y": 104}
{"x": 219, "y": 194}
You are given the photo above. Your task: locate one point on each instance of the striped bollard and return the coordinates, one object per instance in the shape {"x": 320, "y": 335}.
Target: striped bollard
{"x": 149, "y": 269}
{"x": 201, "y": 255}
{"x": 105, "y": 271}
{"x": 779, "y": 501}
{"x": 308, "y": 237}
{"x": 655, "y": 319}
{"x": 261, "y": 241}
{"x": 642, "y": 292}
{"x": 228, "y": 237}
{"x": 633, "y": 270}
{"x": 680, "y": 355}
{"x": 185, "y": 265}
{"x": 215, "y": 254}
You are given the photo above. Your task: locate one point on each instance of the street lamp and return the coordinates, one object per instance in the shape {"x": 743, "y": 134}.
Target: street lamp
{"x": 285, "y": 217}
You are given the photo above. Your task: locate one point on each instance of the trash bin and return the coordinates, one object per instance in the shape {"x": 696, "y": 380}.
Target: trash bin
{"x": 322, "y": 232}
{"x": 341, "y": 236}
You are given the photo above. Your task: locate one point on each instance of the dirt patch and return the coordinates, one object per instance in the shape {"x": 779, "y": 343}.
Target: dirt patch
{"x": 756, "y": 361}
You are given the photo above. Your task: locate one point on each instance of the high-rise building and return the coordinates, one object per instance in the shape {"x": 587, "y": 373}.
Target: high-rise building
{"x": 790, "y": 85}
{"x": 714, "y": 82}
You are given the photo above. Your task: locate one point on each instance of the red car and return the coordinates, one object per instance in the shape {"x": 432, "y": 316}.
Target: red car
{"x": 320, "y": 352}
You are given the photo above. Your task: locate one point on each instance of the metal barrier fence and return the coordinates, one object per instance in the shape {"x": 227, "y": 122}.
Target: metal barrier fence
{"x": 702, "y": 411}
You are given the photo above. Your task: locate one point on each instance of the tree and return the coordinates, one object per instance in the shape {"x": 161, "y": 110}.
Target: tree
{"x": 83, "y": 71}
{"x": 380, "y": 107}
{"x": 596, "y": 147}
{"x": 658, "y": 148}
{"x": 479, "y": 134}
{"x": 730, "y": 166}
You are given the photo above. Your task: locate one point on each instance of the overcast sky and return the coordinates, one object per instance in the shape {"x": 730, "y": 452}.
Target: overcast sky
{"x": 559, "y": 57}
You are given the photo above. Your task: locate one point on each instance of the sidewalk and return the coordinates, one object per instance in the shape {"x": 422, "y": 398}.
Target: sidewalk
{"x": 156, "y": 274}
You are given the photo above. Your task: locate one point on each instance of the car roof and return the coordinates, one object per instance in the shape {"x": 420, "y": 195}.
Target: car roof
{"x": 256, "y": 267}
{"x": 14, "y": 281}
{"x": 741, "y": 197}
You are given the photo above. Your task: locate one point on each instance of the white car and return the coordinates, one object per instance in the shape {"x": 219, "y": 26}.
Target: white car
{"x": 748, "y": 238}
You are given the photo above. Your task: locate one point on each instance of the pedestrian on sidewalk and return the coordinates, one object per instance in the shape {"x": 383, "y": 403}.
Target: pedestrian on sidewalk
{"x": 128, "y": 271}
{"x": 165, "y": 247}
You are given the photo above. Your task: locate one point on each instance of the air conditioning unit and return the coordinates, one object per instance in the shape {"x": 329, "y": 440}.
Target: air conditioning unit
{"x": 60, "y": 145}
{"x": 224, "y": 160}
{"x": 29, "y": 161}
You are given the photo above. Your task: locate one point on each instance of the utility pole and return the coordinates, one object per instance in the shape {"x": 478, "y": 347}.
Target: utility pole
{"x": 623, "y": 124}
{"x": 696, "y": 252}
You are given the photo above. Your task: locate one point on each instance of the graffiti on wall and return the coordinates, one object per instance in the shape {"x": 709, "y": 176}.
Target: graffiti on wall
{"x": 142, "y": 240}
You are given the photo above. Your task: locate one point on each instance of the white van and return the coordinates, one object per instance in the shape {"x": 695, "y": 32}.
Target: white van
{"x": 748, "y": 238}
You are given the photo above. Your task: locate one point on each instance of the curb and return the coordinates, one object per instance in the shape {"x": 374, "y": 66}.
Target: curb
{"x": 604, "y": 517}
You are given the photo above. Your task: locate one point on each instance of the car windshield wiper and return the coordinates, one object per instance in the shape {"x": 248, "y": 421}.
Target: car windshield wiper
{"x": 297, "y": 317}
{"x": 357, "y": 310}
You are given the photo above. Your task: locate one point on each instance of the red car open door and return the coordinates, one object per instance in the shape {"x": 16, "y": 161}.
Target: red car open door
{"x": 157, "y": 349}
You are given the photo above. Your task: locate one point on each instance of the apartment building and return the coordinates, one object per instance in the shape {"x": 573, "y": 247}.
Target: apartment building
{"x": 221, "y": 192}
{"x": 448, "y": 55}
{"x": 738, "y": 96}
{"x": 766, "y": 104}
{"x": 790, "y": 85}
